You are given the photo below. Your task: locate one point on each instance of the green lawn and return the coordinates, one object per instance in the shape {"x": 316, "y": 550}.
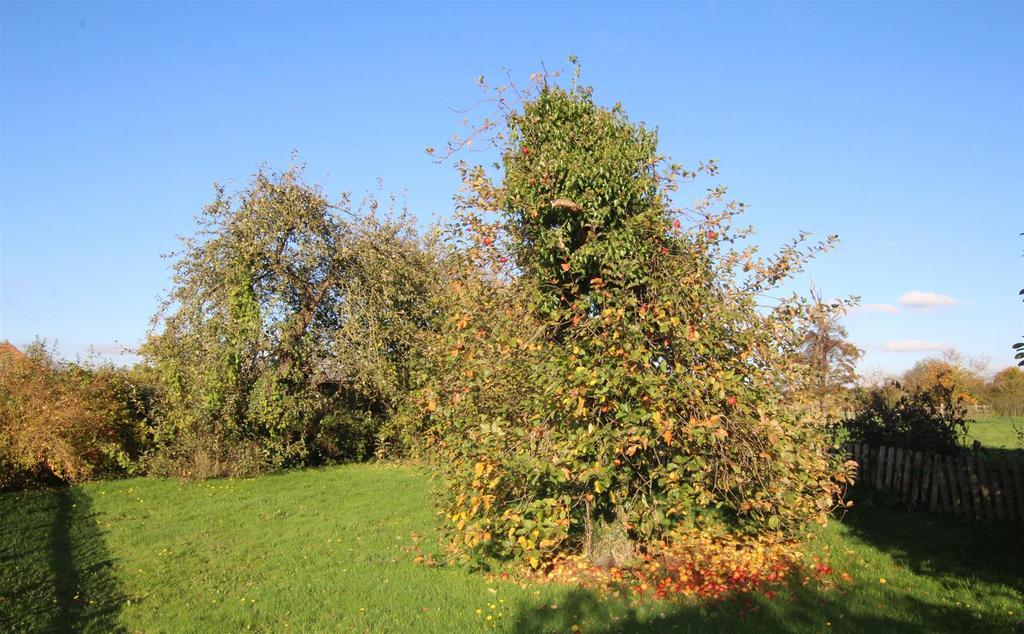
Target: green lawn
{"x": 996, "y": 432}
{"x": 325, "y": 550}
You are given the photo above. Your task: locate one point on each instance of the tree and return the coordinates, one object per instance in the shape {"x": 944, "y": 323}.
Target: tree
{"x": 287, "y": 328}
{"x": 831, "y": 357}
{"x": 950, "y": 371}
{"x": 605, "y": 374}
{"x": 1005, "y": 393}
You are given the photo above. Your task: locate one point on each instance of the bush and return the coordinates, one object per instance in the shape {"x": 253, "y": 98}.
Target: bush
{"x": 925, "y": 419}
{"x": 604, "y": 373}
{"x": 67, "y": 422}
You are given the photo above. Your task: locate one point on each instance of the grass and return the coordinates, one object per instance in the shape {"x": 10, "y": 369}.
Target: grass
{"x": 996, "y": 432}
{"x": 326, "y": 550}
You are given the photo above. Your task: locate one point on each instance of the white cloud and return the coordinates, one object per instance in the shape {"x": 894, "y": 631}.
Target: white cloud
{"x": 924, "y": 300}
{"x": 914, "y": 345}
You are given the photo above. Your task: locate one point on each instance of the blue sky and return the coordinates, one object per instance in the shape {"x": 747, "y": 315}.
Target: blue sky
{"x": 898, "y": 126}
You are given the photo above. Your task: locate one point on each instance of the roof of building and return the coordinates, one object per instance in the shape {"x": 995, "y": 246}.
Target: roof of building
{"x": 6, "y": 347}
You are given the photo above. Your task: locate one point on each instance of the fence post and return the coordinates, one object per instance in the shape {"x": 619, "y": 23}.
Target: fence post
{"x": 890, "y": 458}
{"x": 1018, "y": 486}
{"x": 967, "y": 464}
{"x": 919, "y": 480}
{"x": 995, "y": 482}
{"x": 955, "y": 499}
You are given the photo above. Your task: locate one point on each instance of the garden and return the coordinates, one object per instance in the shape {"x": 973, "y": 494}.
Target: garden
{"x": 578, "y": 405}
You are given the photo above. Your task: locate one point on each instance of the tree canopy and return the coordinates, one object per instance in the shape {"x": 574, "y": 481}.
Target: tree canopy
{"x": 607, "y": 371}
{"x": 288, "y": 327}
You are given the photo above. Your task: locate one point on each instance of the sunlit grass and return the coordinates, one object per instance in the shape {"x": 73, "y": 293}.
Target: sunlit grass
{"x": 996, "y": 432}
{"x": 327, "y": 550}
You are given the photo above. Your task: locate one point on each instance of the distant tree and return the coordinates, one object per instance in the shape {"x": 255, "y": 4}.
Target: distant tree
{"x": 1005, "y": 393}
{"x": 951, "y": 371}
{"x": 287, "y": 328}
{"x": 832, "y": 358}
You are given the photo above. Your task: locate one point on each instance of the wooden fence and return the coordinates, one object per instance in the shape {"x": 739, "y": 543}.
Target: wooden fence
{"x": 966, "y": 485}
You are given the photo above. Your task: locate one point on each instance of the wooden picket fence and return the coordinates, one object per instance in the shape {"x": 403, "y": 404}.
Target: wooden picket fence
{"x": 963, "y": 484}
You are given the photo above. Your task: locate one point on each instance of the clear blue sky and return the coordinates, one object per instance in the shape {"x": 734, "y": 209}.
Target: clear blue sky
{"x": 898, "y": 126}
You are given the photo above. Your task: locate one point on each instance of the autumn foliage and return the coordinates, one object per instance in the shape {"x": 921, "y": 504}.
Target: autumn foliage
{"x": 62, "y": 421}
{"x": 608, "y": 372}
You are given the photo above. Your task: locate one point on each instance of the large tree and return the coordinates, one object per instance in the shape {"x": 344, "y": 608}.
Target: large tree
{"x": 607, "y": 373}
{"x": 288, "y": 311}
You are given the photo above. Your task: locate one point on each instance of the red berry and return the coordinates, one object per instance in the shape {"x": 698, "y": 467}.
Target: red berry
{"x": 712, "y": 235}
{"x": 676, "y": 224}
{"x": 488, "y": 241}
{"x": 731, "y": 400}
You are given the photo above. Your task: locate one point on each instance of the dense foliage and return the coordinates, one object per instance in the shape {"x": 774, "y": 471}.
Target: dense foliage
{"x": 62, "y": 421}
{"x": 951, "y": 371}
{"x": 286, "y": 337}
{"x": 606, "y": 374}
{"x": 923, "y": 418}
{"x": 1005, "y": 392}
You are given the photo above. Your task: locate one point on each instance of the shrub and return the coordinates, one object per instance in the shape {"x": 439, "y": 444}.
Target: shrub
{"x": 66, "y": 422}
{"x": 926, "y": 419}
{"x": 604, "y": 373}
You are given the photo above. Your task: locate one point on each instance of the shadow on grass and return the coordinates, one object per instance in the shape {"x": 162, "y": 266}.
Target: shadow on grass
{"x": 56, "y": 574}
{"x": 806, "y": 611}
{"x": 986, "y": 560}
{"x": 964, "y": 551}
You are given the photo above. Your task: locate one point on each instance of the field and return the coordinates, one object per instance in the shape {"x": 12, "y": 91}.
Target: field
{"x": 327, "y": 550}
{"x": 996, "y": 432}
